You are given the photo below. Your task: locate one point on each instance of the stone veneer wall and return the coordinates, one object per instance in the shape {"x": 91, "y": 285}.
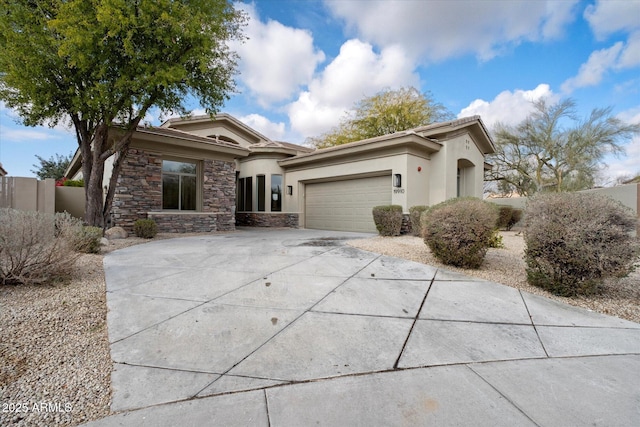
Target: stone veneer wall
{"x": 406, "y": 224}
{"x": 139, "y": 188}
{"x": 267, "y": 219}
{"x": 219, "y": 193}
{"x": 139, "y": 195}
{"x": 196, "y": 222}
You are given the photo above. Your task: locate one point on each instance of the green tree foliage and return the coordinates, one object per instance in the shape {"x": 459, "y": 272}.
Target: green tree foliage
{"x": 102, "y": 64}
{"x": 386, "y": 112}
{"x": 553, "y": 150}
{"x": 52, "y": 168}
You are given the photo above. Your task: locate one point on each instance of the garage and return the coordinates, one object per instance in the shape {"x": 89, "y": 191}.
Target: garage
{"x": 346, "y": 205}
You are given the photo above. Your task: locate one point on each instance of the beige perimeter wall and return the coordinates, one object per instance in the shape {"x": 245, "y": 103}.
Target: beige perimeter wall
{"x": 27, "y": 194}
{"x": 628, "y": 195}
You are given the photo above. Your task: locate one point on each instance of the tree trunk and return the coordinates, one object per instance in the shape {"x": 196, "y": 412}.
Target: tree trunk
{"x": 93, "y": 182}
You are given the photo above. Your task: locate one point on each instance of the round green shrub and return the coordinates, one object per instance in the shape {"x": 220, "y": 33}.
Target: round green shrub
{"x": 87, "y": 240}
{"x": 145, "y": 228}
{"x": 458, "y": 231}
{"x": 414, "y": 216}
{"x": 573, "y": 241}
{"x": 388, "y": 219}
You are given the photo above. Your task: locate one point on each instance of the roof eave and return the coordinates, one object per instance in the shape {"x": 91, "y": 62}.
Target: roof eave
{"x": 368, "y": 145}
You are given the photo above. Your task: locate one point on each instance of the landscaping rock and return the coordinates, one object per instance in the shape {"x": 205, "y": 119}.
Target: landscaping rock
{"x": 116, "y": 233}
{"x": 104, "y": 241}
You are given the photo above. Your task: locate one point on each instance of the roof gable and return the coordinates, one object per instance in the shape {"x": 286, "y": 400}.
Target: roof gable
{"x": 221, "y": 127}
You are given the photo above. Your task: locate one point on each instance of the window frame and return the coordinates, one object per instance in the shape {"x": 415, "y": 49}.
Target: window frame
{"x": 244, "y": 202}
{"x": 276, "y": 205}
{"x": 261, "y": 185}
{"x": 198, "y": 183}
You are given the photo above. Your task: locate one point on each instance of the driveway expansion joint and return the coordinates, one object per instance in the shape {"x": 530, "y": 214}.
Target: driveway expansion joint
{"x": 357, "y": 350}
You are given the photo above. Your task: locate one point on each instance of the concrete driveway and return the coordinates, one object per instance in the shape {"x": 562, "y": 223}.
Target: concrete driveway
{"x": 294, "y": 328}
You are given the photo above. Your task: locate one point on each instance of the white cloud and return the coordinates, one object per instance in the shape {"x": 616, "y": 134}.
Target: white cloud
{"x": 619, "y": 56}
{"x": 592, "y": 71}
{"x": 438, "y": 30}
{"x": 626, "y": 166}
{"x": 607, "y": 17}
{"x": 629, "y": 165}
{"x": 509, "y": 108}
{"x": 356, "y": 72}
{"x": 630, "y": 56}
{"x": 276, "y": 60}
{"x": 26, "y": 135}
{"x": 272, "y": 130}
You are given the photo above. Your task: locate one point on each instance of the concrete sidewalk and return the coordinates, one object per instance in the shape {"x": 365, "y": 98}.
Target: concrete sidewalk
{"x": 294, "y": 328}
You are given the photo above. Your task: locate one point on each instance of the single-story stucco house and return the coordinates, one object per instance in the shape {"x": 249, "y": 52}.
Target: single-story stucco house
{"x": 211, "y": 174}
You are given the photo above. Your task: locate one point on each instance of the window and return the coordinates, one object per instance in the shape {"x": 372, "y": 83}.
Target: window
{"x": 276, "y": 193}
{"x": 260, "y": 183}
{"x": 179, "y": 185}
{"x": 245, "y": 194}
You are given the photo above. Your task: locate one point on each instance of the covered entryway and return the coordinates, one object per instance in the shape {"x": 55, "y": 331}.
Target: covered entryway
{"x": 346, "y": 205}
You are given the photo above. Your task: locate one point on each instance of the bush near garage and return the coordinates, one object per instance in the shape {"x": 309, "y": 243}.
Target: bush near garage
{"x": 458, "y": 231}
{"x": 35, "y": 247}
{"x": 388, "y": 219}
{"x": 415, "y": 212}
{"x": 573, "y": 241}
{"x": 145, "y": 228}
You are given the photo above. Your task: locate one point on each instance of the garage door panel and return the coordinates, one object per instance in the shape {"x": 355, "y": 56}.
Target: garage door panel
{"x": 346, "y": 205}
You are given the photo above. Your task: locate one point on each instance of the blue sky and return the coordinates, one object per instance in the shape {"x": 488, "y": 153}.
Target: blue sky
{"x": 307, "y": 62}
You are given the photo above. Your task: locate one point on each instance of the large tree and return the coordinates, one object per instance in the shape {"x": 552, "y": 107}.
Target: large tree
{"x": 101, "y": 65}
{"x": 554, "y": 150}
{"x": 52, "y": 168}
{"x": 386, "y": 112}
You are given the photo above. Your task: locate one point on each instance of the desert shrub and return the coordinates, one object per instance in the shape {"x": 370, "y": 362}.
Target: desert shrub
{"x": 495, "y": 241}
{"x": 458, "y": 231}
{"x": 388, "y": 219}
{"x": 414, "y": 216}
{"x": 575, "y": 240}
{"x": 36, "y": 247}
{"x": 508, "y": 217}
{"x": 145, "y": 228}
{"x": 87, "y": 240}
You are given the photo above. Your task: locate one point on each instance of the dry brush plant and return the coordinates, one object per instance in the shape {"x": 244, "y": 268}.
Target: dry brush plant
{"x": 459, "y": 231}
{"x": 35, "y": 247}
{"x": 574, "y": 241}
{"x": 415, "y": 212}
{"x": 388, "y": 219}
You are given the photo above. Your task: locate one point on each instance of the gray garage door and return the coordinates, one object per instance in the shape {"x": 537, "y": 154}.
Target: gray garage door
{"x": 346, "y": 205}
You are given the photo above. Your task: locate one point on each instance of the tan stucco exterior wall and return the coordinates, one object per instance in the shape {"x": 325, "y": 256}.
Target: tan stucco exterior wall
{"x": 444, "y": 170}
{"x": 414, "y": 189}
{"x": 266, "y": 166}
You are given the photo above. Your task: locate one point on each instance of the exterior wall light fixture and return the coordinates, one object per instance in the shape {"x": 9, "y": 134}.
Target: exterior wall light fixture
{"x": 397, "y": 180}
{"x": 289, "y": 190}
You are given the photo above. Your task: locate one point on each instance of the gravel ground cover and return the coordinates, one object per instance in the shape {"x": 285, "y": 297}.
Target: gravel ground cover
{"x": 55, "y": 366}
{"x": 506, "y": 266}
